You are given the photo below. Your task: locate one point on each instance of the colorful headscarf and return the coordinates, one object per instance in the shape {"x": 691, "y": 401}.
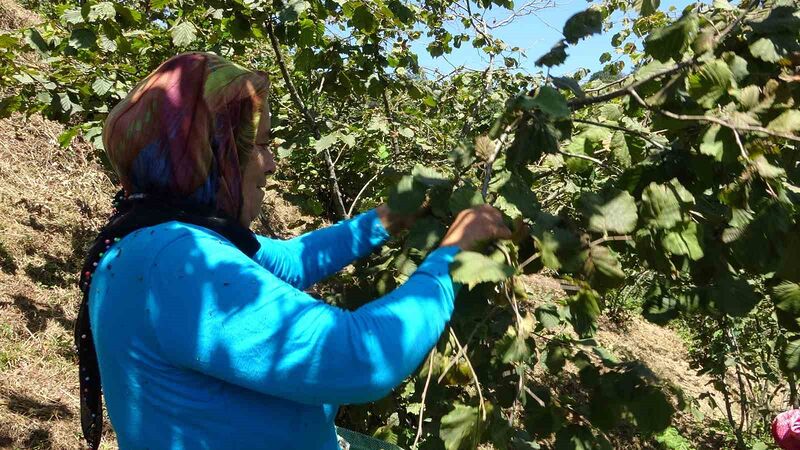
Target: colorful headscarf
{"x": 187, "y": 129}
{"x": 786, "y": 430}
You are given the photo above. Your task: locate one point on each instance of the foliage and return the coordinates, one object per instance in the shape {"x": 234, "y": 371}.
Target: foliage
{"x": 683, "y": 172}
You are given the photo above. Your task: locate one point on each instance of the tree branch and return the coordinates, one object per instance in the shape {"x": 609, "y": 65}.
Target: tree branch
{"x": 577, "y": 103}
{"x": 641, "y": 134}
{"x": 711, "y": 119}
{"x": 594, "y": 160}
{"x": 474, "y": 375}
{"x": 309, "y": 118}
{"x": 424, "y": 396}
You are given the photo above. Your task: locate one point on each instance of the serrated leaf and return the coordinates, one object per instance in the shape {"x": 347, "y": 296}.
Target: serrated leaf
{"x": 82, "y": 38}
{"x": 791, "y": 355}
{"x": 325, "y": 142}
{"x": 183, "y": 34}
{"x": 614, "y": 212}
{"x": 683, "y": 240}
{"x": 484, "y": 147}
{"x": 293, "y": 10}
{"x": 407, "y": 196}
{"x": 459, "y": 427}
{"x": 72, "y": 16}
{"x": 583, "y": 24}
{"x": 473, "y": 268}
{"x": 710, "y": 83}
{"x": 106, "y": 44}
{"x": 559, "y": 249}
{"x": 766, "y": 169}
{"x": 101, "y": 86}
{"x": 787, "y": 297}
{"x": 733, "y": 296}
{"x": 765, "y": 50}
{"x": 569, "y": 83}
{"x": 556, "y": 56}
{"x": 65, "y": 138}
{"x": 429, "y": 176}
{"x": 101, "y": 11}
{"x": 651, "y": 409}
{"x": 363, "y": 20}
{"x": 663, "y": 204}
{"x": 549, "y": 101}
{"x": 602, "y": 268}
{"x": 646, "y": 7}
{"x": 787, "y": 122}
{"x": 548, "y": 316}
{"x": 660, "y": 308}
{"x": 406, "y": 132}
{"x": 584, "y": 310}
{"x": 512, "y": 347}
{"x": 464, "y": 197}
{"x": 671, "y": 42}
{"x": 556, "y": 356}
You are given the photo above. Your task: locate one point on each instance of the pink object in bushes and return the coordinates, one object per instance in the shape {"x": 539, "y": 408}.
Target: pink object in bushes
{"x": 786, "y": 430}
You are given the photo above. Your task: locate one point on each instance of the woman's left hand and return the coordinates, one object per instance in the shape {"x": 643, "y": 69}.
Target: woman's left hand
{"x": 395, "y": 222}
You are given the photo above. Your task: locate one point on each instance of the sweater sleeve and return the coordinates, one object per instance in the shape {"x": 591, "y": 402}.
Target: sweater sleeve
{"x": 314, "y": 256}
{"x": 222, "y": 314}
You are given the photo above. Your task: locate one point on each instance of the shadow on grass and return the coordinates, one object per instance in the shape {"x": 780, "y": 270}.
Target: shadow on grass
{"x": 36, "y": 315}
{"x": 29, "y": 407}
{"x": 7, "y": 263}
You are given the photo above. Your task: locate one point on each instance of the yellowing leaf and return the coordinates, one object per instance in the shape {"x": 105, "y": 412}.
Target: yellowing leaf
{"x": 472, "y": 268}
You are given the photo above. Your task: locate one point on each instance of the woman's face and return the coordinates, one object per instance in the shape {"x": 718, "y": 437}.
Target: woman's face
{"x": 254, "y": 176}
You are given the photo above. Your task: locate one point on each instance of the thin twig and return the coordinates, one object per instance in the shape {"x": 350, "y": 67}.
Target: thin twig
{"x": 711, "y": 119}
{"x": 610, "y": 238}
{"x": 361, "y": 192}
{"x": 474, "y": 374}
{"x": 422, "y": 400}
{"x": 531, "y": 259}
{"x": 577, "y": 103}
{"x": 589, "y": 158}
{"x": 641, "y": 134}
{"x": 309, "y": 118}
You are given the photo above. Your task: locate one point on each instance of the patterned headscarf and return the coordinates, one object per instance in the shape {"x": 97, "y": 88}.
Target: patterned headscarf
{"x": 178, "y": 142}
{"x": 187, "y": 129}
{"x": 786, "y": 430}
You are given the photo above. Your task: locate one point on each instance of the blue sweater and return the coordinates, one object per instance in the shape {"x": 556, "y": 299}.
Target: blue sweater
{"x": 202, "y": 347}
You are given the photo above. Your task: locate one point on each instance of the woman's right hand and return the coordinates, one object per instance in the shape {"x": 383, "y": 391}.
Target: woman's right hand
{"x": 475, "y": 226}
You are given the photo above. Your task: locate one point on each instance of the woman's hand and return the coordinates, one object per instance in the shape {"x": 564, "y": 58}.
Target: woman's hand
{"x": 475, "y": 226}
{"x": 395, "y": 222}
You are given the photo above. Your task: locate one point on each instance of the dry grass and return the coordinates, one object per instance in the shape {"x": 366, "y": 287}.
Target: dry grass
{"x": 13, "y": 16}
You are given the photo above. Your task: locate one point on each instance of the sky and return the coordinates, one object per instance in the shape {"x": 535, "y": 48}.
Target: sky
{"x": 536, "y": 34}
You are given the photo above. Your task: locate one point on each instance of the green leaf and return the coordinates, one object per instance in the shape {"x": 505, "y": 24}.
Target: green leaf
{"x": 651, "y": 409}
{"x": 325, "y": 142}
{"x": 559, "y": 249}
{"x": 513, "y": 347}
{"x": 575, "y": 437}
{"x": 72, "y": 16}
{"x": 556, "y": 356}
{"x": 425, "y": 234}
{"x": 787, "y": 298}
{"x": 683, "y": 240}
{"x": 65, "y": 138}
{"x": 363, "y": 20}
{"x": 293, "y": 10}
{"x": 82, "y": 38}
{"x": 183, "y": 34}
{"x": 407, "y": 196}
{"x": 106, "y": 44}
{"x": 672, "y": 41}
{"x": 787, "y": 122}
{"x": 429, "y": 176}
{"x": 459, "y": 427}
{"x": 548, "y": 316}
{"x": 101, "y": 86}
{"x": 646, "y": 7}
{"x": 766, "y": 169}
{"x": 583, "y": 24}
{"x": 556, "y": 56}
{"x": 791, "y": 355}
{"x": 569, "y": 83}
{"x": 660, "y": 308}
{"x": 549, "y": 101}
{"x": 36, "y": 41}
{"x": 584, "y": 310}
{"x": 765, "y": 50}
{"x": 472, "y": 268}
{"x": 602, "y": 268}
{"x": 710, "y": 83}
{"x": 614, "y": 212}
{"x": 464, "y": 197}
{"x": 719, "y": 143}
{"x": 733, "y": 296}
{"x": 663, "y": 205}
{"x": 101, "y": 11}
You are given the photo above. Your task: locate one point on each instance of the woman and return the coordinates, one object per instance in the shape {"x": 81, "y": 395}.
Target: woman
{"x": 199, "y": 329}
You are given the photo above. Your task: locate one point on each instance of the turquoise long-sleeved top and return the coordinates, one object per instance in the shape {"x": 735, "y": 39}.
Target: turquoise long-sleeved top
{"x": 203, "y": 347}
